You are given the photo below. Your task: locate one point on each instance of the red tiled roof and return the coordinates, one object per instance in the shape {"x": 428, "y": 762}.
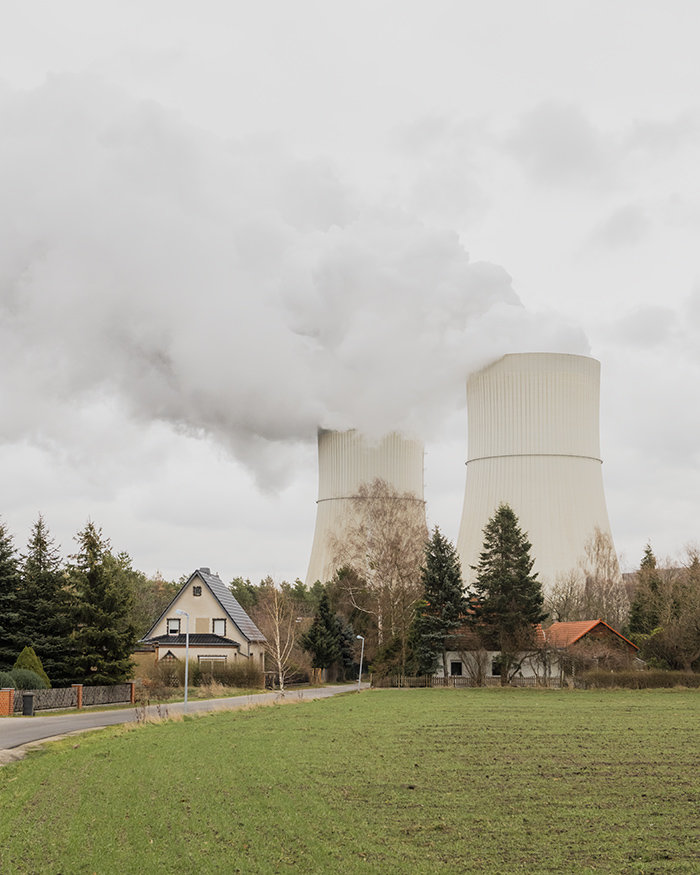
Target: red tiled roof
{"x": 565, "y": 634}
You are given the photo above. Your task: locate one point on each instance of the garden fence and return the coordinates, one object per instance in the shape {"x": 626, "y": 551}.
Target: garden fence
{"x": 70, "y": 697}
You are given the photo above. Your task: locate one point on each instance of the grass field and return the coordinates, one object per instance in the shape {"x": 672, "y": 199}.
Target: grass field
{"x": 409, "y": 781}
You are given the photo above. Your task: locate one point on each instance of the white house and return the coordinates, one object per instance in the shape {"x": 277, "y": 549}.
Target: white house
{"x": 220, "y": 631}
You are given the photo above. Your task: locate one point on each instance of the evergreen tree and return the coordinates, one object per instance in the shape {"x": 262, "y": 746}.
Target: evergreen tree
{"x": 442, "y": 608}
{"x": 644, "y": 614}
{"x": 346, "y": 646}
{"x": 508, "y": 597}
{"x": 44, "y": 605}
{"x": 322, "y": 639}
{"x": 104, "y": 637}
{"x": 30, "y": 661}
{"x": 9, "y": 588}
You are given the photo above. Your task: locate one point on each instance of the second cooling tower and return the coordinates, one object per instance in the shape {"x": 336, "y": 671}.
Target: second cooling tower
{"x": 346, "y": 461}
{"x": 533, "y": 443}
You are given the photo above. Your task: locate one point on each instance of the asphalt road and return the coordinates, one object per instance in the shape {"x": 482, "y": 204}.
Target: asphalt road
{"x": 15, "y": 732}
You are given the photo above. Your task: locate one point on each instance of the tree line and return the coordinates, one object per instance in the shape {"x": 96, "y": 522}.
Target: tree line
{"x": 83, "y": 615}
{"x": 396, "y": 587}
{"x": 403, "y": 592}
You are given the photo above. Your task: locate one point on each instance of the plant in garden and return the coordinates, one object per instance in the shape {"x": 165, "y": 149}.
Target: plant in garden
{"x": 24, "y": 679}
{"x": 30, "y": 661}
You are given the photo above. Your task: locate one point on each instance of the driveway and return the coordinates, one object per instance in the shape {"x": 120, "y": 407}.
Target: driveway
{"x": 16, "y": 732}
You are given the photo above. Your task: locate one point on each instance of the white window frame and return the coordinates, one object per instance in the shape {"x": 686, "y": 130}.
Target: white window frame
{"x": 216, "y": 620}
{"x": 170, "y": 621}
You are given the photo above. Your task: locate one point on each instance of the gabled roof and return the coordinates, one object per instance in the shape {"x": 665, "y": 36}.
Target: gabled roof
{"x": 568, "y": 633}
{"x": 225, "y": 598}
{"x": 227, "y": 601}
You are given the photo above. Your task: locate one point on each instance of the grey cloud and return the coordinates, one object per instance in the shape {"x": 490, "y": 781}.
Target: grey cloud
{"x": 664, "y": 137}
{"x": 557, "y": 144}
{"x": 625, "y": 226}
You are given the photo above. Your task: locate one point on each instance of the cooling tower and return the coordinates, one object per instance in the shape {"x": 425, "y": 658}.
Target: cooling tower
{"x": 533, "y": 442}
{"x": 346, "y": 461}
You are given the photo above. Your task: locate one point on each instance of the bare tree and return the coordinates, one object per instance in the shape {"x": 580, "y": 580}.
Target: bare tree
{"x": 595, "y": 589}
{"x": 565, "y": 599}
{"x": 605, "y": 596}
{"x": 276, "y": 616}
{"x": 381, "y": 553}
{"x": 475, "y": 664}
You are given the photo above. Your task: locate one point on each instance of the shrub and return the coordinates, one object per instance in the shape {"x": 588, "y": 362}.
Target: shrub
{"x": 6, "y": 680}
{"x": 29, "y": 660}
{"x": 24, "y": 679}
{"x": 640, "y": 680}
{"x": 238, "y": 674}
{"x": 171, "y": 673}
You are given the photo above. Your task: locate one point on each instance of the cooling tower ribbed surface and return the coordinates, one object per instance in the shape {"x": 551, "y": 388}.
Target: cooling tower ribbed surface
{"x": 346, "y": 460}
{"x": 533, "y": 442}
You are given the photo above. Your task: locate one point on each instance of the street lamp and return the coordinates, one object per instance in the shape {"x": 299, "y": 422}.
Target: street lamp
{"x": 187, "y": 650}
{"x": 362, "y": 653}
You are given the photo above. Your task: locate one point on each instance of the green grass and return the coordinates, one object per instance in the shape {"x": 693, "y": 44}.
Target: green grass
{"x": 393, "y": 781}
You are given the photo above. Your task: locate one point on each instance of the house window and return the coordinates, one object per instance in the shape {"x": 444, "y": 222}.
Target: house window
{"x": 496, "y": 668}
{"x": 211, "y": 663}
{"x": 219, "y": 627}
{"x": 456, "y": 669}
{"x": 174, "y": 627}
{"x": 196, "y": 590}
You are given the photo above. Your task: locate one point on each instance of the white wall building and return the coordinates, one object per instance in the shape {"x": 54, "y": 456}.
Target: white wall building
{"x": 346, "y": 461}
{"x": 533, "y": 443}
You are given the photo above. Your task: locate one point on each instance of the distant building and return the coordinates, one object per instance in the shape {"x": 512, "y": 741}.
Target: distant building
{"x": 348, "y": 460}
{"x": 220, "y": 631}
{"x": 533, "y": 443}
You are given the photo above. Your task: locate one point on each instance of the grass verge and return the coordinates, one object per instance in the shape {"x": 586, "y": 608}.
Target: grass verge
{"x": 420, "y": 781}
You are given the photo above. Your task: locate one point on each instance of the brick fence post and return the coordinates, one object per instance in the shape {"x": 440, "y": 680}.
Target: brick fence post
{"x": 78, "y": 695}
{"x": 132, "y": 694}
{"x": 7, "y": 702}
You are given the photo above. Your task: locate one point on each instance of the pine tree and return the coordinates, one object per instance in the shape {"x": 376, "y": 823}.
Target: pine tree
{"x": 346, "y": 646}
{"x": 508, "y": 597}
{"x": 322, "y": 639}
{"x": 104, "y": 637}
{"x": 442, "y": 609}
{"x": 9, "y": 588}
{"x": 645, "y": 612}
{"x": 44, "y": 605}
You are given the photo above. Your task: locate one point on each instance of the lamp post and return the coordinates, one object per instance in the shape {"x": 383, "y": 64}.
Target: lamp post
{"x": 362, "y": 653}
{"x": 187, "y": 650}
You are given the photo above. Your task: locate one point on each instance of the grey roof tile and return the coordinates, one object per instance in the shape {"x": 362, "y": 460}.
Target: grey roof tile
{"x": 230, "y": 605}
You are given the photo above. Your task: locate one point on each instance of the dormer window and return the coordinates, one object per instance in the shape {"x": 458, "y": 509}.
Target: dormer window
{"x": 174, "y": 627}
{"x": 219, "y": 627}
{"x": 196, "y": 590}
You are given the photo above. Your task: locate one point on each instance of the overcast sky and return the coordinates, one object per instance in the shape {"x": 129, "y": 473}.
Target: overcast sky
{"x": 224, "y": 225}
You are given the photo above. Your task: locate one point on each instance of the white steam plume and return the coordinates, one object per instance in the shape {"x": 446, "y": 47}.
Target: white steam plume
{"x": 224, "y": 288}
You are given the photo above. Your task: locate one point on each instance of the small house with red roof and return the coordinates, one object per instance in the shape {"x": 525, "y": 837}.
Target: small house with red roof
{"x": 555, "y": 652}
{"x": 590, "y": 643}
